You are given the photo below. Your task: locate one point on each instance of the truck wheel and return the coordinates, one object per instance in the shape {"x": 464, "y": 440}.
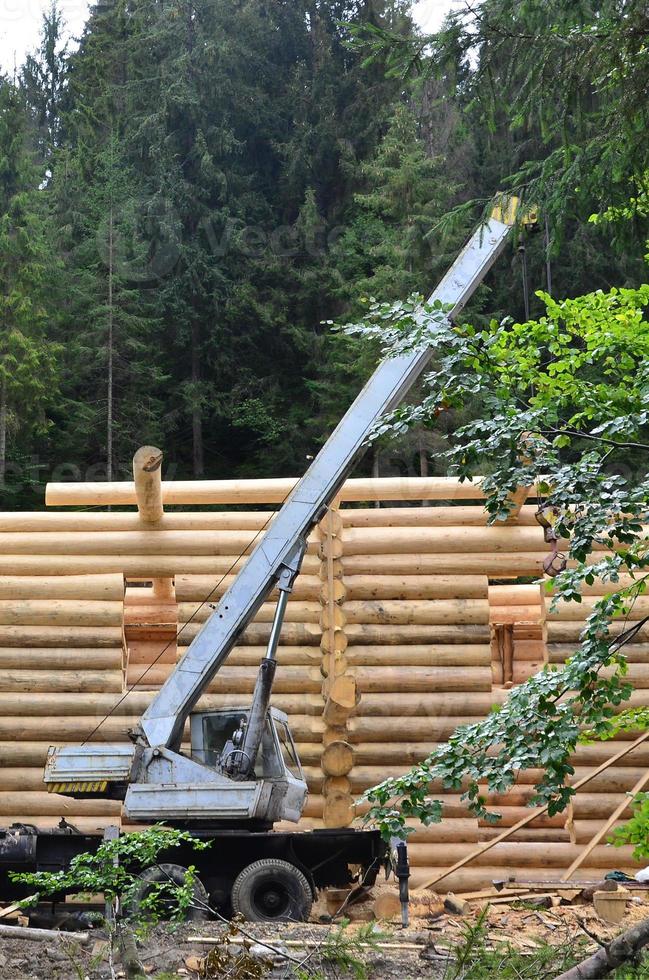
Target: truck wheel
{"x": 160, "y": 874}
{"x": 271, "y": 891}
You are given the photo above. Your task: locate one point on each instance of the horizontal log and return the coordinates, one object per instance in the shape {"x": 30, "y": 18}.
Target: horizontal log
{"x": 584, "y": 830}
{"x": 522, "y": 672}
{"x": 510, "y": 815}
{"x": 292, "y": 634}
{"x": 371, "y": 753}
{"x": 529, "y": 649}
{"x": 61, "y": 636}
{"x": 298, "y": 611}
{"x": 62, "y": 659}
{"x": 516, "y": 614}
{"x": 98, "y": 705}
{"x": 380, "y": 586}
{"x": 233, "y": 680}
{"x": 367, "y": 634}
{"x": 476, "y": 704}
{"x": 599, "y": 806}
{"x": 76, "y": 727}
{"x": 522, "y": 855}
{"x": 29, "y": 754}
{"x": 287, "y": 656}
{"x": 51, "y": 804}
{"x": 415, "y": 612}
{"x": 579, "y": 611}
{"x": 617, "y": 779}
{"x": 60, "y": 612}
{"x": 260, "y": 491}
{"x": 569, "y": 632}
{"x": 516, "y": 595}
{"x": 599, "y": 588}
{"x": 476, "y": 878}
{"x": 148, "y": 542}
{"x": 80, "y": 681}
{"x": 77, "y": 587}
{"x": 441, "y": 540}
{"x": 134, "y": 567}
{"x": 459, "y": 563}
{"x": 369, "y": 680}
{"x": 437, "y": 515}
{"x": 22, "y": 778}
{"x": 196, "y": 588}
{"x": 549, "y": 835}
{"x": 431, "y": 728}
{"x": 599, "y": 752}
{"x": 430, "y": 679}
{"x": 44, "y": 521}
{"x": 421, "y": 655}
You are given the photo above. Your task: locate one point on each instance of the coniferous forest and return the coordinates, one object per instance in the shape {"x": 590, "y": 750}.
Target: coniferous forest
{"x": 192, "y": 191}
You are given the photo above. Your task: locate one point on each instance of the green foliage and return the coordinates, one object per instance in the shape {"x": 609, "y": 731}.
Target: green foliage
{"x": 475, "y": 958}
{"x": 636, "y": 830}
{"x": 563, "y": 81}
{"x": 559, "y": 403}
{"x": 344, "y": 950}
{"x": 114, "y": 870}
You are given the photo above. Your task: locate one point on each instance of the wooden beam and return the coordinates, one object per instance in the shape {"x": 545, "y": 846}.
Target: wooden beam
{"x": 261, "y": 491}
{"x": 147, "y": 476}
{"x": 148, "y": 484}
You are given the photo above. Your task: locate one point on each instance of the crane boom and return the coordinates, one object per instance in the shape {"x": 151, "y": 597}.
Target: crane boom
{"x": 238, "y": 770}
{"x": 282, "y": 546}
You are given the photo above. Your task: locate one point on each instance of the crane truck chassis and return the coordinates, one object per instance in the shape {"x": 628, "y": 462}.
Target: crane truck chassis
{"x": 263, "y": 876}
{"x": 242, "y": 774}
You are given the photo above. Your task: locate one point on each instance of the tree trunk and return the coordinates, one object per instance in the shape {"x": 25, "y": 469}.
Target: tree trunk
{"x": 110, "y": 351}
{"x": 197, "y": 415}
{"x": 623, "y": 949}
{"x": 3, "y": 431}
{"x": 423, "y": 465}
{"x": 376, "y": 471}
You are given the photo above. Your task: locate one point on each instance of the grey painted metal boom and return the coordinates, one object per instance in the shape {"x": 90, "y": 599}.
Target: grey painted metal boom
{"x": 163, "y": 722}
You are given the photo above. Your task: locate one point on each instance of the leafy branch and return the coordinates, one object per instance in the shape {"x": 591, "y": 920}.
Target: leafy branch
{"x": 558, "y": 404}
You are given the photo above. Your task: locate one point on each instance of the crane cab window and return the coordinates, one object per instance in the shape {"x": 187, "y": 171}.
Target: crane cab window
{"x": 287, "y": 746}
{"x": 222, "y": 732}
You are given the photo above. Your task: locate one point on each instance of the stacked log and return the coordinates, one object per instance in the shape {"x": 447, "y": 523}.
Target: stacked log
{"x": 61, "y": 652}
{"x": 393, "y": 602}
{"x": 339, "y": 687}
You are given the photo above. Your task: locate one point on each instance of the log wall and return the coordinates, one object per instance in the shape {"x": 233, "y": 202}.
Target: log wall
{"x": 401, "y": 626}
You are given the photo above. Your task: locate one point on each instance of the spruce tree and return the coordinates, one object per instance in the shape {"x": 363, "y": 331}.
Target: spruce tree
{"x": 28, "y": 359}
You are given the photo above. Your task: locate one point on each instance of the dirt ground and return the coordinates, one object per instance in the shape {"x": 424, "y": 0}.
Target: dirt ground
{"x": 248, "y": 951}
{"x": 171, "y": 952}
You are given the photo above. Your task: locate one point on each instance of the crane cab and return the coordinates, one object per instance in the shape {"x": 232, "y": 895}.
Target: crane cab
{"x": 217, "y": 738}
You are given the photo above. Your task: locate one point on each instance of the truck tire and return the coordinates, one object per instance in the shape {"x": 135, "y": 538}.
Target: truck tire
{"x": 272, "y": 891}
{"x": 160, "y": 874}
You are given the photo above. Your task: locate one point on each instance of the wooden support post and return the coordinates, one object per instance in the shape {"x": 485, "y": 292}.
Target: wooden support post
{"x": 339, "y": 686}
{"x": 147, "y": 474}
{"x": 518, "y": 498}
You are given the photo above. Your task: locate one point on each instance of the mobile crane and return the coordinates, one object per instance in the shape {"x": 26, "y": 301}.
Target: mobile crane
{"x": 243, "y": 774}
